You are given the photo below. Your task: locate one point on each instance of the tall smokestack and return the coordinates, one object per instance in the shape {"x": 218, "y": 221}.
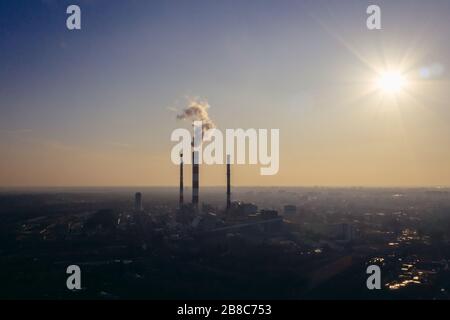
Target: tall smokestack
{"x": 181, "y": 181}
{"x": 195, "y": 178}
{"x": 197, "y": 111}
{"x": 228, "y": 182}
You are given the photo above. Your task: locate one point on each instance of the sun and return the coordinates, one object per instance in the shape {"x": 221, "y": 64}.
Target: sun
{"x": 391, "y": 82}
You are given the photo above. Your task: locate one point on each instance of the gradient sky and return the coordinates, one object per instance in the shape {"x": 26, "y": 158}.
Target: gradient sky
{"x": 96, "y": 107}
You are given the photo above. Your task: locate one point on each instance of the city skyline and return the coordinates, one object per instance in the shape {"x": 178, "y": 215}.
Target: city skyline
{"x": 96, "y": 107}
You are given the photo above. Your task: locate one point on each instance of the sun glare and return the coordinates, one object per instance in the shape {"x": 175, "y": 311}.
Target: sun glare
{"x": 391, "y": 82}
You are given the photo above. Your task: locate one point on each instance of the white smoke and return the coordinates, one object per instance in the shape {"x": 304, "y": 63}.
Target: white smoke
{"x": 197, "y": 110}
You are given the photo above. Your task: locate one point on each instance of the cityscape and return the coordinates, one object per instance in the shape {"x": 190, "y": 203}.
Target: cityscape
{"x": 248, "y": 243}
{"x": 189, "y": 151}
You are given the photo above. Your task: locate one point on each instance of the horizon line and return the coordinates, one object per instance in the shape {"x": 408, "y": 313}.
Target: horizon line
{"x": 224, "y": 186}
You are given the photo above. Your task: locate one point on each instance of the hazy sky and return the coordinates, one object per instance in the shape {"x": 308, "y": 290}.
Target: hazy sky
{"x": 95, "y": 107}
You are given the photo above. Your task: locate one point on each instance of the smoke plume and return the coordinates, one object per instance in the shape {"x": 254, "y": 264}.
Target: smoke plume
{"x": 197, "y": 110}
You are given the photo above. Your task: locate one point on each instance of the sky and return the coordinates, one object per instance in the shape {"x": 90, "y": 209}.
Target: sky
{"x": 96, "y": 106}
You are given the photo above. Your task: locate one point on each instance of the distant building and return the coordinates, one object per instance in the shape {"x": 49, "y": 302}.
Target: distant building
{"x": 138, "y": 201}
{"x": 343, "y": 232}
{"x": 242, "y": 208}
{"x": 206, "y": 208}
{"x": 102, "y": 219}
{"x": 268, "y": 214}
{"x": 290, "y": 210}
{"x": 186, "y": 214}
{"x": 206, "y": 221}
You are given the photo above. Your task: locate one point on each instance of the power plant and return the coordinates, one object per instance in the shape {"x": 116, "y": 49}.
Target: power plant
{"x": 236, "y": 214}
{"x": 196, "y": 180}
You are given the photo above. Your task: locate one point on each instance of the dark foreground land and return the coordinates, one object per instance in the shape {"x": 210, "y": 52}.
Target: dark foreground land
{"x": 275, "y": 243}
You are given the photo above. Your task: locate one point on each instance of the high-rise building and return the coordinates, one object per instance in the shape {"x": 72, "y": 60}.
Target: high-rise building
{"x": 138, "y": 201}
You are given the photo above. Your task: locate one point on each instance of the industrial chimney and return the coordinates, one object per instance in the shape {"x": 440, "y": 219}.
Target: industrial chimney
{"x": 228, "y": 182}
{"x": 181, "y": 181}
{"x": 195, "y": 178}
